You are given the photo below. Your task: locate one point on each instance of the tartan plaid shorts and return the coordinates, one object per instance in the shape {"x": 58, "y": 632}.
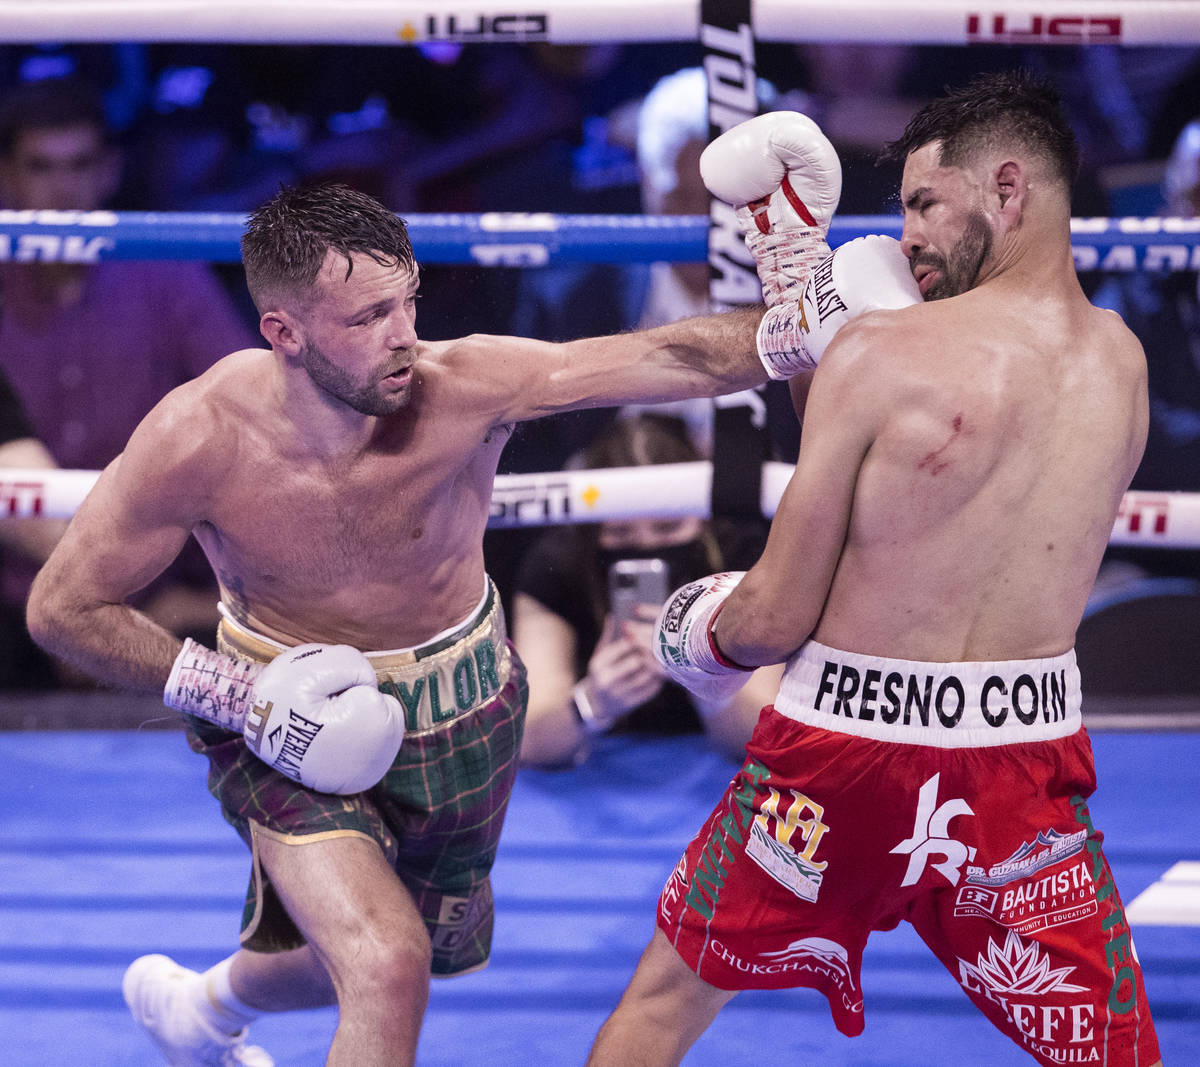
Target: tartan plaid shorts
{"x": 436, "y": 815}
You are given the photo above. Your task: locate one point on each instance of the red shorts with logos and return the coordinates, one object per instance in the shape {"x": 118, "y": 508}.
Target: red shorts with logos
{"x": 987, "y": 848}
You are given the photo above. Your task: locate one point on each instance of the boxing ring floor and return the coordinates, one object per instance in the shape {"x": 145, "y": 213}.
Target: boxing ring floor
{"x": 110, "y": 847}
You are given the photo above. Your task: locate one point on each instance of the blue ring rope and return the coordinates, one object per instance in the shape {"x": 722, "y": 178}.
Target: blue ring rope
{"x": 531, "y": 240}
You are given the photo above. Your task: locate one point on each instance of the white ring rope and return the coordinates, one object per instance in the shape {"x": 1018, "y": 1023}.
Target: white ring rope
{"x": 381, "y": 22}
{"x": 1145, "y": 519}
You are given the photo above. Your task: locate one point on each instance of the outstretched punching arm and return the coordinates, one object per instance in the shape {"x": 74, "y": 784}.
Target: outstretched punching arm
{"x": 707, "y": 355}
{"x": 863, "y": 275}
{"x": 784, "y": 179}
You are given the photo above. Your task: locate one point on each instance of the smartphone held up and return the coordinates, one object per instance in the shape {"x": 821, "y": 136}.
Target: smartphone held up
{"x": 636, "y": 581}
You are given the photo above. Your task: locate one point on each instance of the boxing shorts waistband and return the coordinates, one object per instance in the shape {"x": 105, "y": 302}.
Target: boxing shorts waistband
{"x": 947, "y": 705}
{"x": 451, "y": 675}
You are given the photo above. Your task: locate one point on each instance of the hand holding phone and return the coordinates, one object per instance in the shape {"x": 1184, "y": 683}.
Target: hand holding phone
{"x": 622, "y": 672}
{"x": 636, "y": 581}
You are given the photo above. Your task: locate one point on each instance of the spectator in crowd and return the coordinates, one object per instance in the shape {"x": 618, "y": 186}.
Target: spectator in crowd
{"x": 590, "y": 672}
{"x": 90, "y": 347}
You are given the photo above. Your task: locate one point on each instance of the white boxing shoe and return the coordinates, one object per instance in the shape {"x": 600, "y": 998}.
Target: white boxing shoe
{"x": 162, "y": 996}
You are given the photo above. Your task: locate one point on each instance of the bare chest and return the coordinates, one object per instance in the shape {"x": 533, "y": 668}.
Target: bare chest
{"x": 357, "y": 536}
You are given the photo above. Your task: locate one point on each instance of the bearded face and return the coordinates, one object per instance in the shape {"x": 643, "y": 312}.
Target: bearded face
{"x": 377, "y": 392}
{"x": 960, "y": 269}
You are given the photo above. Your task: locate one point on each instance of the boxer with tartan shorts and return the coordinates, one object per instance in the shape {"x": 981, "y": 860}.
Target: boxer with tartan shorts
{"x": 340, "y": 484}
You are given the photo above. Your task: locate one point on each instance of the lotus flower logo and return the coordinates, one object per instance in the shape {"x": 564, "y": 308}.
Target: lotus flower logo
{"x": 1018, "y": 967}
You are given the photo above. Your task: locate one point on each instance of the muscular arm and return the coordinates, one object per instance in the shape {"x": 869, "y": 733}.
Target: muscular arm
{"x": 709, "y": 355}
{"x": 780, "y": 600}
{"x": 131, "y": 526}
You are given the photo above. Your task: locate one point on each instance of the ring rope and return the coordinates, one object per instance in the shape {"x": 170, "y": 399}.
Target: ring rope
{"x": 522, "y": 239}
{"x": 1145, "y": 519}
{"x": 403, "y": 22}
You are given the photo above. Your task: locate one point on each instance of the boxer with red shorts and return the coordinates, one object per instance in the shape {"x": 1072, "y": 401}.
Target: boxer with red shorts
{"x": 970, "y": 423}
{"x": 1007, "y": 884}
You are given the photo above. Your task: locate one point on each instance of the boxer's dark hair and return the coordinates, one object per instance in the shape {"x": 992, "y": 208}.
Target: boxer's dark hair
{"x": 287, "y": 239}
{"x": 1012, "y": 107}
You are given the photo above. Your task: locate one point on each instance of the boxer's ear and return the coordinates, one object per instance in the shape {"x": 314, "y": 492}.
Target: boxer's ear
{"x": 1010, "y": 184}
{"x": 282, "y": 332}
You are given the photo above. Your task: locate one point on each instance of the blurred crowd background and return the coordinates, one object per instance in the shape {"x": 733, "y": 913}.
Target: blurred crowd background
{"x": 614, "y": 128}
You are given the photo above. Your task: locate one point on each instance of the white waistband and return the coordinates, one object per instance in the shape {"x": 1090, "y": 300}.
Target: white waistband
{"x": 948, "y": 705}
{"x": 451, "y": 675}
{"x": 458, "y": 630}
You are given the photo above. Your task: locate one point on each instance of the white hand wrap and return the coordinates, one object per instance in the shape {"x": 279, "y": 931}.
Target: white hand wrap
{"x": 314, "y": 713}
{"x": 213, "y": 686}
{"x": 784, "y": 177}
{"x": 866, "y": 274}
{"x": 683, "y": 642}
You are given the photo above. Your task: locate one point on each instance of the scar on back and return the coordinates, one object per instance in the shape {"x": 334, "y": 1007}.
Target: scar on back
{"x": 933, "y": 461}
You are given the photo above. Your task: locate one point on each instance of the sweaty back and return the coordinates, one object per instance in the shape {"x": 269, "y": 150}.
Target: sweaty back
{"x": 984, "y": 505}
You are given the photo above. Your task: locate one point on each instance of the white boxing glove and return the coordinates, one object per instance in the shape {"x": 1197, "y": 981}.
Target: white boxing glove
{"x": 683, "y": 641}
{"x": 867, "y": 274}
{"x": 319, "y": 718}
{"x": 314, "y": 713}
{"x": 784, "y": 178}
